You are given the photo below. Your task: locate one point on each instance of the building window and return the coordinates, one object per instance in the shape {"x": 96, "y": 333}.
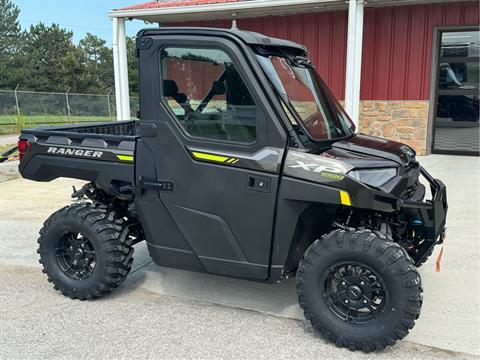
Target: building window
{"x": 206, "y": 93}
{"x": 457, "y": 103}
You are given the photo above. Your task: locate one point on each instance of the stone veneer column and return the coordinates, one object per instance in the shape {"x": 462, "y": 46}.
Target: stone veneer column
{"x": 402, "y": 121}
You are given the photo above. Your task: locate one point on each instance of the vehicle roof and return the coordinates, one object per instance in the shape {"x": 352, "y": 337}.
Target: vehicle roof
{"x": 248, "y": 37}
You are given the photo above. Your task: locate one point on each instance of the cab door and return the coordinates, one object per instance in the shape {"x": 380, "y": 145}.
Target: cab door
{"x": 209, "y": 157}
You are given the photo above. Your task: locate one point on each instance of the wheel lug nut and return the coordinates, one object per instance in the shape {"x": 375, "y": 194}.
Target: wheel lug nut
{"x": 365, "y": 301}
{"x": 344, "y": 283}
{"x": 346, "y": 301}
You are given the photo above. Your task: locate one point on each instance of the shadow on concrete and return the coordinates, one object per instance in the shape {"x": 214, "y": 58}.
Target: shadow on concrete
{"x": 277, "y": 299}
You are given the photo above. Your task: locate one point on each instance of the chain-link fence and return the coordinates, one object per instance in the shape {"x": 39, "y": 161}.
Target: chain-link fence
{"x": 51, "y": 108}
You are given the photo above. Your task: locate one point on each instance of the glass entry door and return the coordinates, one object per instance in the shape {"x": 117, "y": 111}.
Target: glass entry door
{"x": 456, "y": 122}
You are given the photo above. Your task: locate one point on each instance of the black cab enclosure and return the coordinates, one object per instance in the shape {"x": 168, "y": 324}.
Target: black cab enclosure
{"x": 241, "y": 159}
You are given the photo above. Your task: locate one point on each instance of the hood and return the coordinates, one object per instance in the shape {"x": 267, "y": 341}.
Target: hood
{"x": 360, "y": 145}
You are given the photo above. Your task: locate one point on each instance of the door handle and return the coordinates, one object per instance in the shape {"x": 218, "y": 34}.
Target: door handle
{"x": 258, "y": 183}
{"x": 161, "y": 185}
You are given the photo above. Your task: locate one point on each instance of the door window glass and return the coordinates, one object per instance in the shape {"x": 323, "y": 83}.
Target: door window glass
{"x": 206, "y": 93}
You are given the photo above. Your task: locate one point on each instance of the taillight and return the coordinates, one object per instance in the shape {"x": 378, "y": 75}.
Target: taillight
{"x": 23, "y": 146}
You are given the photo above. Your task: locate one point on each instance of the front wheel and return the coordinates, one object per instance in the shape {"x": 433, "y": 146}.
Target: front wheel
{"x": 359, "y": 290}
{"x": 85, "y": 250}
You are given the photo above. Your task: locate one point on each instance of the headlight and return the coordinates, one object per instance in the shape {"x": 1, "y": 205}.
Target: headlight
{"x": 374, "y": 177}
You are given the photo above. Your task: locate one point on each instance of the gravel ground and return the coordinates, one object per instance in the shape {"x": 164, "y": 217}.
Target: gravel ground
{"x": 168, "y": 313}
{"x": 8, "y": 139}
{"x": 9, "y": 171}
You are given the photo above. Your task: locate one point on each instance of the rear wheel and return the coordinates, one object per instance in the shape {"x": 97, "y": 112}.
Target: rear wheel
{"x": 85, "y": 250}
{"x": 359, "y": 290}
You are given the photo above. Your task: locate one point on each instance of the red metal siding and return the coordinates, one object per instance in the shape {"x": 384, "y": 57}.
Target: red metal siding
{"x": 324, "y": 34}
{"x": 397, "y": 50}
{"x": 397, "y": 44}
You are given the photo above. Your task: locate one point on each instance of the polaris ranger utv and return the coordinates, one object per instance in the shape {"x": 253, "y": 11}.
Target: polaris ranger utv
{"x": 243, "y": 164}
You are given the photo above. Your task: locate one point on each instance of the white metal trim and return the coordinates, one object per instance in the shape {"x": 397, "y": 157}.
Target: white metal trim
{"x": 354, "y": 60}
{"x": 357, "y": 73}
{"x": 350, "y": 61}
{"x": 116, "y": 69}
{"x": 254, "y": 5}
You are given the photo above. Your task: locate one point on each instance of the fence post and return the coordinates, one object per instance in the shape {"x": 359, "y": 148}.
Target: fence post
{"x": 68, "y": 104}
{"x": 16, "y": 99}
{"x": 108, "y": 102}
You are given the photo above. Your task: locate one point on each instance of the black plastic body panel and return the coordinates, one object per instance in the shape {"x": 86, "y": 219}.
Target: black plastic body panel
{"x": 102, "y": 153}
{"x": 48, "y": 168}
{"x": 219, "y": 224}
{"x": 391, "y": 150}
{"x": 431, "y": 214}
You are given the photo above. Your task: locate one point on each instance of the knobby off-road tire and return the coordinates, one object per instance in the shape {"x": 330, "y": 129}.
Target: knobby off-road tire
{"x": 375, "y": 262}
{"x": 96, "y": 239}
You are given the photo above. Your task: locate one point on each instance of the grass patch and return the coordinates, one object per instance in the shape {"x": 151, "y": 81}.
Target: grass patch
{"x": 4, "y": 148}
{"x": 48, "y": 119}
{"x": 9, "y": 124}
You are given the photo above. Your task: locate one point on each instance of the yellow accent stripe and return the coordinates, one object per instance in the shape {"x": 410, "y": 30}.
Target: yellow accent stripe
{"x": 345, "y": 198}
{"x": 125, "y": 157}
{"x": 211, "y": 157}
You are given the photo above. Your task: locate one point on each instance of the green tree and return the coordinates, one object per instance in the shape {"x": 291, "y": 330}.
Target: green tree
{"x": 98, "y": 62}
{"x": 9, "y": 40}
{"x": 98, "y": 59}
{"x": 44, "y": 58}
{"x": 132, "y": 61}
{"x": 51, "y": 61}
{"x": 9, "y": 26}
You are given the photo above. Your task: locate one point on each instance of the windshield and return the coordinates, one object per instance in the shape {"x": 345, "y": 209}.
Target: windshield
{"x": 307, "y": 96}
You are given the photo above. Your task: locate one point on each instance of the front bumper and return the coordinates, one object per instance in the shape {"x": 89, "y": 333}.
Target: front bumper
{"x": 430, "y": 216}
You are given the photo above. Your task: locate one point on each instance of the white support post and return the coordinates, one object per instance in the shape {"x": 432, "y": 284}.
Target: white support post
{"x": 349, "y": 72}
{"x": 357, "y": 73}
{"x": 122, "y": 96}
{"x": 354, "y": 59}
{"x": 116, "y": 70}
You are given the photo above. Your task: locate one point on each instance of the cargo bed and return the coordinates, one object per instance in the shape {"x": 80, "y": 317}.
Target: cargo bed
{"x": 102, "y": 153}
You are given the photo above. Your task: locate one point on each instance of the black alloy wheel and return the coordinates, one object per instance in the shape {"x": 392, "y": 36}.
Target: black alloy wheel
{"x": 75, "y": 255}
{"x": 354, "y": 292}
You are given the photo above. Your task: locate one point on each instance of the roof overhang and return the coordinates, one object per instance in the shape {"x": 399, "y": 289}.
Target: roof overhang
{"x": 247, "y": 9}
{"x": 242, "y": 9}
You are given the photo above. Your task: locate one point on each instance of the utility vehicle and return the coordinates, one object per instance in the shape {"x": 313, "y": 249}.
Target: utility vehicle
{"x": 243, "y": 164}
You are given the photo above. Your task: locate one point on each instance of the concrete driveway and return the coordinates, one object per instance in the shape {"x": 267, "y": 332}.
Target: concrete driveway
{"x": 166, "y": 313}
